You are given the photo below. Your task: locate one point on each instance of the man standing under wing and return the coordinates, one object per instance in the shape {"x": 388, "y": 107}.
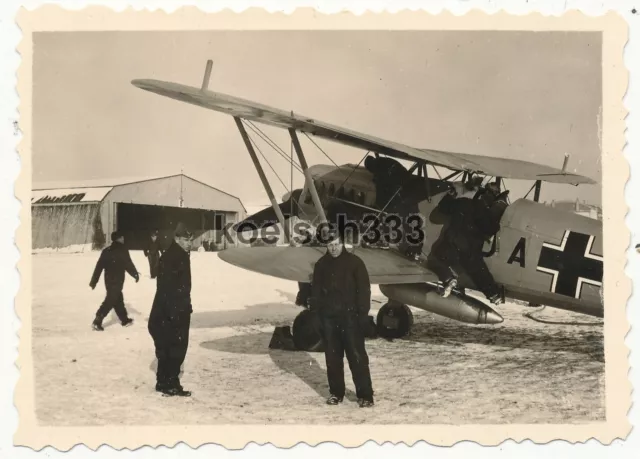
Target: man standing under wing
{"x": 114, "y": 261}
{"x": 341, "y": 294}
{"x": 152, "y": 252}
{"x": 170, "y": 316}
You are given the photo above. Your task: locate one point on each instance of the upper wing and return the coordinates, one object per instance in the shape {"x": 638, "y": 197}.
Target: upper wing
{"x": 517, "y": 169}
{"x": 296, "y": 264}
{"x": 249, "y": 110}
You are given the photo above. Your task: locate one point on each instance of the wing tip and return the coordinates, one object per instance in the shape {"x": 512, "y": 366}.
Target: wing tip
{"x": 577, "y": 179}
{"x": 142, "y": 83}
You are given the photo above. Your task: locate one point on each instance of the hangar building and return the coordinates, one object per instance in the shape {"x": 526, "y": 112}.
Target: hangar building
{"x": 83, "y": 218}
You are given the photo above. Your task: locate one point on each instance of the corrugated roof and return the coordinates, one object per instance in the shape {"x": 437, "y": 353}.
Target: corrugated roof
{"x": 69, "y": 195}
{"x": 76, "y": 187}
{"x": 95, "y": 183}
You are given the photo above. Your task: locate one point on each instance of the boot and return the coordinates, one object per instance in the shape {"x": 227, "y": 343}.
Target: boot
{"x": 175, "y": 392}
{"x": 449, "y": 286}
{"x": 97, "y": 324}
{"x": 365, "y": 403}
{"x": 496, "y": 299}
{"x": 161, "y": 387}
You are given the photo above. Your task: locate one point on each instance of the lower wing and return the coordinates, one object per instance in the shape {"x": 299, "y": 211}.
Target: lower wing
{"x": 296, "y": 263}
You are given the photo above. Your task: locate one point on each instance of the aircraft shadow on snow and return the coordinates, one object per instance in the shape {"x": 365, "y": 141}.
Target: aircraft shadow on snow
{"x": 305, "y": 367}
{"x": 588, "y": 342}
{"x": 301, "y": 364}
{"x": 298, "y": 363}
{"x": 256, "y": 314}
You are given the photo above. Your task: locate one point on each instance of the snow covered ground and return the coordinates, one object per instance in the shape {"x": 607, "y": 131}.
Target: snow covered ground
{"x": 520, "y": 371}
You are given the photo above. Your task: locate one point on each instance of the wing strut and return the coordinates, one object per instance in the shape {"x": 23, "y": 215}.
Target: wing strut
{"x": 263, "y": 178}
{"x": 536, "y": 193}
{"x": 426, "y": 181}
{"x": 307, "y": 175}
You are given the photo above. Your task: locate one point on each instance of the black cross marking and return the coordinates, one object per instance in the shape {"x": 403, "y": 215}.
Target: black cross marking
{"x": 571, "y": 264}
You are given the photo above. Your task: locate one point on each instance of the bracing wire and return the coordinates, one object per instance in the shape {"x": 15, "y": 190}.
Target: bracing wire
{"x": 436, "y": 170}
{"x": 384, "y": 208}
{"x": 353, "y": 169}
{"x": 272, "y": 144}
{"x": 318, "y": 147}
{"x": 275, "y": 147}
{"x": 529, "y": 192}
{"x": 334, "y": 163}
{"x": 452, "y": 176}
{"x": 279, "y": 150}
{"x": 267, "y": 161}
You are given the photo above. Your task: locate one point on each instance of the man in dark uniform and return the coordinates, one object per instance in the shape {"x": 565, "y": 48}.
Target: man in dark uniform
{"x": 389, "y": 175}
{"x": 114, "y": 260}
{"x": 341, "y": 294}
{"x": 393, "y": 194}
{"x": 304, "y": 288}
{"x": 152, "y": 252}
{"x": 470, "y": 225}
{"x": 170, "y": 316}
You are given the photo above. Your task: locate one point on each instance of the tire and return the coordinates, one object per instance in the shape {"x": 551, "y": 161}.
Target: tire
{"x": 394, "y": 321}
{"x": 307, "y": 332}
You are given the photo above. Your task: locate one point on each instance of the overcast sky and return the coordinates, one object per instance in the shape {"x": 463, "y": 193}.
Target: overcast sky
{"x": 531, "y": 96}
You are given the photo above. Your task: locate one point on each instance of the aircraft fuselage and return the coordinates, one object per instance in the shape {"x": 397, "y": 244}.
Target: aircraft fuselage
{"x": 543, "y": 255}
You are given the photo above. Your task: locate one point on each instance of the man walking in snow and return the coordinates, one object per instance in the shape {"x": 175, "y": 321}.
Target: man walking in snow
{"x": 114, "y": 261}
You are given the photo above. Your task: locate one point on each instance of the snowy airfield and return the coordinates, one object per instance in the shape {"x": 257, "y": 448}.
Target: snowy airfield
{"x": 445, "y": 372}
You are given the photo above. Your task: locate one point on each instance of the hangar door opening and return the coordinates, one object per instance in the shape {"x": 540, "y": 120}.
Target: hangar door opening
{"x": 137, "y": 221}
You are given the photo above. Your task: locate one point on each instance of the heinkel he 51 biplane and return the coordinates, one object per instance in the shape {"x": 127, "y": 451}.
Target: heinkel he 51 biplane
{"x": 540, "y": 255}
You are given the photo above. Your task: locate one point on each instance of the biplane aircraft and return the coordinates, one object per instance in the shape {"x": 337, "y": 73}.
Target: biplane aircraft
{"x": 541, "y": 255}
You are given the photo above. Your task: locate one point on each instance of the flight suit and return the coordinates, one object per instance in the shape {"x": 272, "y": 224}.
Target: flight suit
{"x": 388, "y": 175}
{"x": 341, "y": 294}
{"x": 114, "y": 261}
{"x": 462, "y": 242}
{"x": 394, "y": 194}
{"x": 170, "y": 316}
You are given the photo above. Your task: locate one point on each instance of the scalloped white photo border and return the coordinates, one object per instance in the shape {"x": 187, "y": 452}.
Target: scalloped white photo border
{"x": 615, "y": 174}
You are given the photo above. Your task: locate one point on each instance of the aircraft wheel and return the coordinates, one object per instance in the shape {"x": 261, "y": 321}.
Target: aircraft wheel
{"x": 394, "y": 320}
{"x": 307, "y": 332}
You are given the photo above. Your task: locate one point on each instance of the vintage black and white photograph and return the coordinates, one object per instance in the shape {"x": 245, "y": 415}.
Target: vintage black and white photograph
{"x": 319, "y": 227}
